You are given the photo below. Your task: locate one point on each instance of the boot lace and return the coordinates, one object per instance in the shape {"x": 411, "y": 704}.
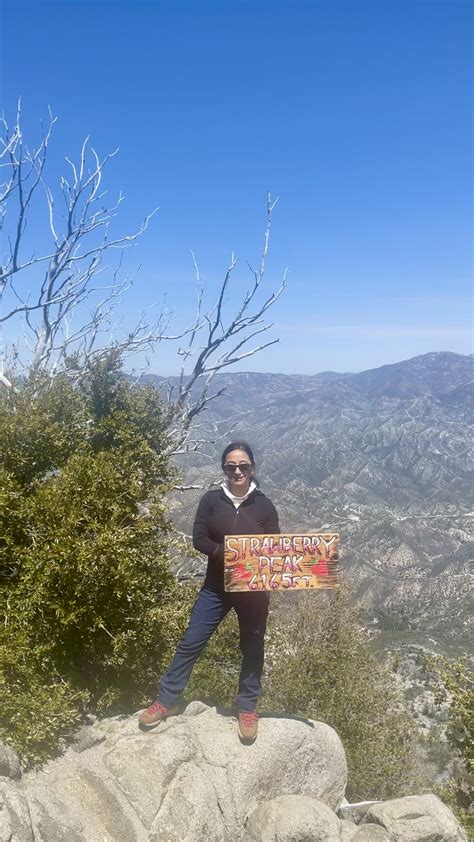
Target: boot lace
{"x": 248, "y": 719}
{"x": 157, "y": 707}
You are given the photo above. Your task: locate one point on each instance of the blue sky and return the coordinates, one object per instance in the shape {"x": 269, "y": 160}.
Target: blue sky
{"x": 356, "y": 114}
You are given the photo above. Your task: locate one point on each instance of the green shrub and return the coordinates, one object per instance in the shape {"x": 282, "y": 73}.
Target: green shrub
{"x": 39, "y": 708}
{"x": 321, "y": 665}
{"x": 41, "y": 426}
{"x": 458, "y": 686}
{"x": 13, "y": 511}
{"x": 91, "y": 610}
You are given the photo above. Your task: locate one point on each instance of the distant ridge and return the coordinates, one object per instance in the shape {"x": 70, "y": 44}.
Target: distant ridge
{"x": 430, "y": 373}
{"x": 383, "y": 456}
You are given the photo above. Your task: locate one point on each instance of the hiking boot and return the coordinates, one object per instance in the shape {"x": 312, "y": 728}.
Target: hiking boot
{"x": 248, "y": 726}
{"x": 154, "y": 714}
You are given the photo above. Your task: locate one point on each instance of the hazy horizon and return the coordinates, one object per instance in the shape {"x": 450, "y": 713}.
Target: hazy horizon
{"x": 315, "y": 373}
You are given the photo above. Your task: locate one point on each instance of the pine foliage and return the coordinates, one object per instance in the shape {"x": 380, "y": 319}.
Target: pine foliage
{"x": 457, "y": 685}
{"x": 91, "y": 608}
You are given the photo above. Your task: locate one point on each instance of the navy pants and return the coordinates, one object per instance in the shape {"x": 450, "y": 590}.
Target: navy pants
{"x": 208, "y": 611}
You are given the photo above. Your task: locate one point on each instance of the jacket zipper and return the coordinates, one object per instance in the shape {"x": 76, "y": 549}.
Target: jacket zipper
{"x": 236, "y": 516}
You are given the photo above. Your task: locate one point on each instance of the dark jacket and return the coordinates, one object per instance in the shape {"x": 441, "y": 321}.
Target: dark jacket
{"x": 217, "y": 517}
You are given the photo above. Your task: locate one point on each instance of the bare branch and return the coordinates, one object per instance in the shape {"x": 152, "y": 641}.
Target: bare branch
{"x": 189, "y": 488}
{"x": 218, "y": 350}
{"x": 69, "y": 306}
{"x": 75, "y": 259}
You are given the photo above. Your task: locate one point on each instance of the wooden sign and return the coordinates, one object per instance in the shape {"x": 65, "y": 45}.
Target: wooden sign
{"x": 281, "y": 562}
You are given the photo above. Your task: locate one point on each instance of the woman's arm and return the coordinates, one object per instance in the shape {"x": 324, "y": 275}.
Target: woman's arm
{"x": 272, "y": 526}
{"x": 201, "y": 540}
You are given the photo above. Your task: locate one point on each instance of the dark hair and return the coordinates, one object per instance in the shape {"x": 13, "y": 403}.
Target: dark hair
{"x": 237, "y": 445}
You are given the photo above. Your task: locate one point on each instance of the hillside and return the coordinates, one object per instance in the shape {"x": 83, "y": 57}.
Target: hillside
{"x": 384, "y": 457}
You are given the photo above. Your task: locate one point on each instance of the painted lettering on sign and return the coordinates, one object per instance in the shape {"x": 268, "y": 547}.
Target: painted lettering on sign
{"x": 281, "y": 562}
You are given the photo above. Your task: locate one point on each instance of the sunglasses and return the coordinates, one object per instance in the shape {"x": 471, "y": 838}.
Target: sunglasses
{"x": 230, "y": 468}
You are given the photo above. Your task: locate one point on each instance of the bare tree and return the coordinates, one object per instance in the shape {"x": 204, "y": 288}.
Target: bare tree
{"x": 65, "y": 280}
{"x": 215, "y": 343}
{"x": 69, "y": 297}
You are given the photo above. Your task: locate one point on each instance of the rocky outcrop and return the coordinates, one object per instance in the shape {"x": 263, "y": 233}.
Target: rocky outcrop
{"x": 189, "y": 779}
{"x": 292, "y": 817}
{"x": 9, "y": 763}
{"x": 192, "y": 780}
{"x": 415, "y": 818}
{"x": 368, "y": 833}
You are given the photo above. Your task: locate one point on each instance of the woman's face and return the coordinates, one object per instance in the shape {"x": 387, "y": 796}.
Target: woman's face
{"x": 239, "y": 471}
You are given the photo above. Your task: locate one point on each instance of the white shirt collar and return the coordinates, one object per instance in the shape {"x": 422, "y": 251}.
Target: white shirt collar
{"x": 237, "y": 500}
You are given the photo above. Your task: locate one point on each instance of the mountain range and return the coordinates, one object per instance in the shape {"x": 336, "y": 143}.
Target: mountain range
{"x": 384, "y": 457}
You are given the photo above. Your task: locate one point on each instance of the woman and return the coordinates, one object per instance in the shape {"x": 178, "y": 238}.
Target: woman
{"x": 237, "y": 507}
